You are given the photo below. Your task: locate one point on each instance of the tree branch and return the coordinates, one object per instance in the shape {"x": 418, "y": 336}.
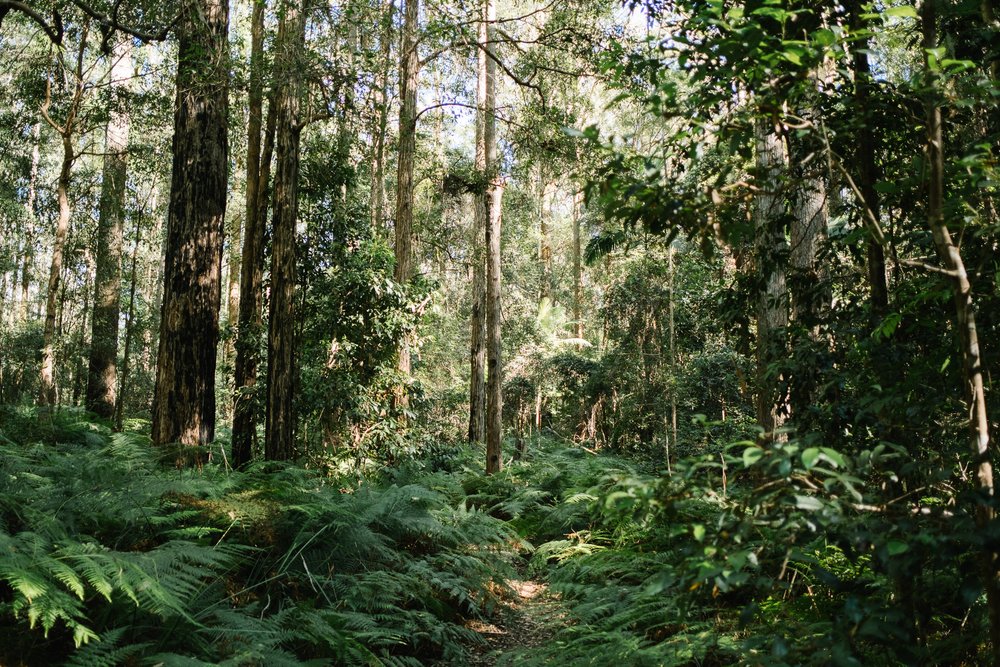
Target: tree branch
{"x": 54, "y": 32}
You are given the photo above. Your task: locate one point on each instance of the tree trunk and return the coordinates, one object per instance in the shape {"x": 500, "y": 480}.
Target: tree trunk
{"x": 577, "y": 267}
{"x": 968, "y": 337}
{"x": 248, "y": 329}
{"x": 29, "y": 236}
{"x": 809, "y": 224}
{"x": 547, "y": 195}
{"x": 867, "y": 170}
{"x": 382, "y": 103}
{"x": 102, "y": 378}
{"x": 48, "y": 392}
{"x": 129, "y": 327}
{"x": 771, "y": 256}
{"x": 409, "y": 73}
{"x": 494, "y": 365}
{"x": 477, "y": 383}
{"x": 184, "y": 397}
{"x": 281, "y": 379}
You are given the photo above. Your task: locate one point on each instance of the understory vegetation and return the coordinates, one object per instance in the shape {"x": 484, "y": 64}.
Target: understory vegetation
{"x": 110, "y": 554}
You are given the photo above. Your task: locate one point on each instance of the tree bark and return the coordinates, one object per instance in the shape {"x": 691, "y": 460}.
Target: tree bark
{"x": 868, "y": 171}
{"x": 129, "y": 325}
{"x": 409, "y": 73}
{"x": 771, "y": 257}
{"x": 29, "y": 236}
{"x": 248, "y": 329}
{"x": 102, "y": 377}
{"x": 494, "y": 192}
{"x": 382, "y": 102}
{"x": 477, "y": 383}
{"x": 577, "y": 267}
{"x": 547, "y": 195}
{"x": 184, "y": 396}
{"x": 968, "y": 337}
{"x": 281, "y": 379}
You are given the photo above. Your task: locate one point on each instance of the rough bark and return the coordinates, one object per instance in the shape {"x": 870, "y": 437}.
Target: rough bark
{"x": 771, "y": 258}
{"x": 102, "y": 376}
{"x": 248, "y": 329}
{"x": 494, "y": 363}
{"x": 282, "y": 376}
{"x": 808, "y": 232}
{"x": 968, "y": 337}
{"x": 184, "y": 395}
{"x": 409, "y": 72}
{"x": 547, "y": 195}
{"x": 123, "y": 377}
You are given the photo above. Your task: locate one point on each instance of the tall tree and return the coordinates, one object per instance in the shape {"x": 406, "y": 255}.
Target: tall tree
{"x": 184, "y": 400}
{"x": 281, "y": 366}
{"x": 251, "y": 298}
{"x": 102, "y": 378}
{"x": 770, "y": 217}
{"x": 67, "y": 131}
{"x": 409, "y": 73}
{"x": 494, "y": 194}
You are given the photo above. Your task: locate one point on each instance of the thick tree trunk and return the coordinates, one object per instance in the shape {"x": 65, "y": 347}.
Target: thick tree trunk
{"x": 809, "y": 228}
{"x": 123, "y": 377}
{"x": 968, "y": 336}
{"x": 494, "y": 363}
{"x": 282, "y": 377}
{"x": 771, "y": 257}
{"x": 409, "y": 73}
{"x": 251, "y": 299}
{"x": 102, "y": 377}
{"x": 184, "y": 398}
{"x": 48, "y": 392}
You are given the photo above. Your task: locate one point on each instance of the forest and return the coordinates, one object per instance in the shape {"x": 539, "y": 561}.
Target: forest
{"x": 499, "y": 332}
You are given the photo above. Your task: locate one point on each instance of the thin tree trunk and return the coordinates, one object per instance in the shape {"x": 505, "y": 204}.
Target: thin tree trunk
{"x": 477, "y": 383}
{"x": 494, "y": 364}
{"x": 281, "y": 378}
{"x": 129, "y": 327}
{"x": 382, "y": 102}
{"x": 548, "y": 193}
{"x": 577, "y": 267}
{"x": 184, "y": 398}
{"x": 867, "y": 170}
{"x": 409, "y": 73}
{"x": 968, "y": 336}
{"x": 29, "y": 236}
{"x": 248, "y": 329}
{"x": 673, "y": 356}
{"x": 102, "y": 378}
{"x": 48, "y": 392}
{"x": 772, "y": 314}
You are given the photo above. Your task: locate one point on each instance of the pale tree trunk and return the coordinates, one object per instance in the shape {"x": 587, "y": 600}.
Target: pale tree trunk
{"x": 968, "y": 337}
{"x": 123, "y": 377}
{"x": 409, "y": 73}
{"x": 547, "y": 194}
{"x": 771, "y": 255}
{"x": 809, "y": 228}
{"x": 184, "y": 397}
{"x": 248, "y": 329}
{"x": 102, "y": 377}
{"x": 577, "y": 267}
{"x": 232, "y": 286}
{"x": 29, "y": 236}
{"x": 477, "y": 383}
{"x": 281, "y": 365}
{"x": 382, "y": 102}
{"x": 494, "y": 364}
{"x": 673, "y": 356}
{"x": 48, "y": 392}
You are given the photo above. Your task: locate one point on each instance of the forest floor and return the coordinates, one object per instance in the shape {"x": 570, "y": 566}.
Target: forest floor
{"x": 528, "y": 618}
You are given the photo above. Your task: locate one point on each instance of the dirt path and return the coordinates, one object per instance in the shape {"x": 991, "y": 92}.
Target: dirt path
{"x": 530, "y": 618}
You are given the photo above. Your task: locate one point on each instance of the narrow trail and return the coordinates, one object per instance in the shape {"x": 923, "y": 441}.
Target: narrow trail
{"x": 529, "y": 618}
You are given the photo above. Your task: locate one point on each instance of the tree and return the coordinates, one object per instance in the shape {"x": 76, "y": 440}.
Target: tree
{"x": 102, "y": 378}
{"x": 281, "y": 363}
{"x": 184, "y": 399}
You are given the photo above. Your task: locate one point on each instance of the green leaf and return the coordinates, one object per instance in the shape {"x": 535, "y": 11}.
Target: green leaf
{"x": 903, "y": 11}
{"x": 810, "y": 457}
{"x": 751, "y": 455}
{"x": 896, "y": 547}
{"x": 698, "y": 530}
{"x": 808, "y": 503}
